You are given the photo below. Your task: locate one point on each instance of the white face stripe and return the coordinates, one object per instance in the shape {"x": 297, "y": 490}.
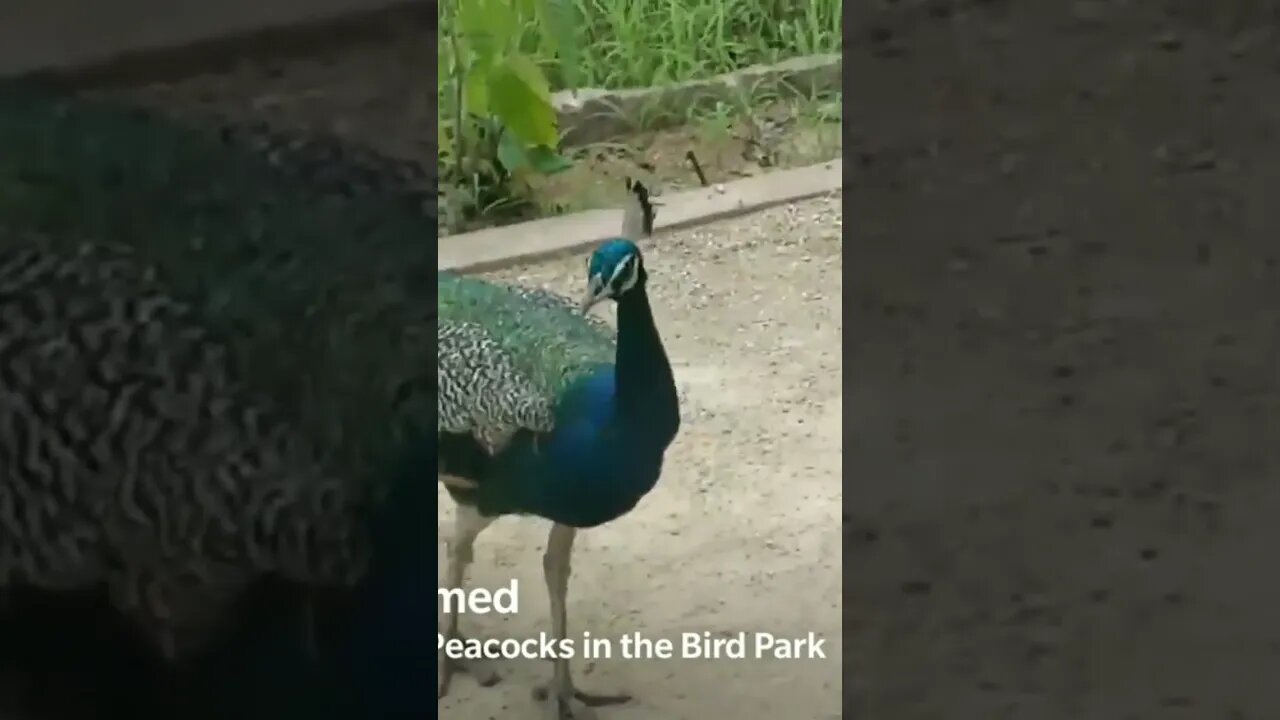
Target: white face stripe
{"x": 632, "y": 278}
{"x": 631, "y": 267}
{"x": 622, "y": 266}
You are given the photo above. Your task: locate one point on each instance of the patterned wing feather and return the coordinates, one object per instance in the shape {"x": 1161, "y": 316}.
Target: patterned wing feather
{"x": 223, "y": 382}
{"x": 124, "y": 435}
{"x": 510, "y": 351}
{"x": 481, "y": 391}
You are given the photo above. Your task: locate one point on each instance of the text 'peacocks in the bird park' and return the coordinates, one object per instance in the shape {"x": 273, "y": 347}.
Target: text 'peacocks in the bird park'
{"x": 212, "y": 375}
{"x": 545, "y": 411}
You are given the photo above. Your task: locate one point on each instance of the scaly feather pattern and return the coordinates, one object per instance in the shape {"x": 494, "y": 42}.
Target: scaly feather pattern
{"x": 549, "y": 342}
{"x": 504, "y": 354}
{"x": 135, "y": 457}
{"x": 481, "y": 391}
{"x": 210, "y": 374}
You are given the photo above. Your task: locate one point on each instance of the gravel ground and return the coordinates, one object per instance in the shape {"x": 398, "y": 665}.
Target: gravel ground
{"x": 743, "y": 532}
{"x": 1064, "y": 392}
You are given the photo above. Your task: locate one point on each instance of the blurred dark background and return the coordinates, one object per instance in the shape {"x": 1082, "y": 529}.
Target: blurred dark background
{"x": 64, "y": 34}
{"x": 213, "y": 67}
{"x": 1063, "y": 361}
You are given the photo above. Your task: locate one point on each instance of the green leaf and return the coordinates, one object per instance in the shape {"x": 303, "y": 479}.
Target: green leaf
{"x": 476, "y": 92}
{"x": 488, "y": 26}
{"x": 547, "y": 161}
{"x": 511, "y": 153}
{"x": 444, "y": 63}
{"x": 527, "y": 10}
{"x": 527, "y": 69}
{"x": 560, "y": 22}
{"x": 520, "y": 98}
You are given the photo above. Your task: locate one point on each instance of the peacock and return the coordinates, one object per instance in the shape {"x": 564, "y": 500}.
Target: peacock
{"x": 545, "y": 411}
{"x": 214, "y": 378}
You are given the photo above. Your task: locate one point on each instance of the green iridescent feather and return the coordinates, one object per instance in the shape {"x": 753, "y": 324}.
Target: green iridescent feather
{"x": 550, "y": 343}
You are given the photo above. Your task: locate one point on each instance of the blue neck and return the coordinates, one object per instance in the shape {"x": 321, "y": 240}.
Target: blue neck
{"x": 646, "y": 389}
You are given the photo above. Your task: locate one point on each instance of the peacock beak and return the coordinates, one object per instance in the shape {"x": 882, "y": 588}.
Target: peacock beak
{"x": 596, "y": 291}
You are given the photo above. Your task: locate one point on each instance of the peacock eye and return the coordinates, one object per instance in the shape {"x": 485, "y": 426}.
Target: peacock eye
{"x": 623, "y": 270}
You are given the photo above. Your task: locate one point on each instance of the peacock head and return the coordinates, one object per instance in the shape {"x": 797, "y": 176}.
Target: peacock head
{"x": 613, "y": 270}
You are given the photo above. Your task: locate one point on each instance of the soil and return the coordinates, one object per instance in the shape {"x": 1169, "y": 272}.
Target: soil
{"x": 742, "y": 532}
{"x": 1062, "y": 483}
{"x": 729, "y": 145}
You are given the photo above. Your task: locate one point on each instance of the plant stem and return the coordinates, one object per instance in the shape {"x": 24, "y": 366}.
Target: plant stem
{"x": 459, "y": 115}
{"x": 697, "y": 168}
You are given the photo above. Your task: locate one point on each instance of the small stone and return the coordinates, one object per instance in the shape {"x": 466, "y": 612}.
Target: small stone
{"x": 1088, "y": 13}
{"x": 1203, "y": 160}
{"x": 1169, "y": 41}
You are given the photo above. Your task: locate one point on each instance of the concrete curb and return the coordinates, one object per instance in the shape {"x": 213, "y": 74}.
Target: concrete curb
{"x": 496, "y": 248}
{"x": 589, "y": 115}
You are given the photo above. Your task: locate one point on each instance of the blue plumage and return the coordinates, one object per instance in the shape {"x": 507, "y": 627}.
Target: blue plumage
{"x": 592, "y": 469}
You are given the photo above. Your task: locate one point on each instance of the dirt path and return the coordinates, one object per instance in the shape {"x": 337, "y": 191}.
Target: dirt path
{"x": 742, "y": 532}
{"x": 1063, "y": 382}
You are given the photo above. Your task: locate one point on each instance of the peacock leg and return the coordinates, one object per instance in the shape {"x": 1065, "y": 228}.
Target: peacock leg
{"x": 564, "y": 701}
{"x": 468, "y": 523}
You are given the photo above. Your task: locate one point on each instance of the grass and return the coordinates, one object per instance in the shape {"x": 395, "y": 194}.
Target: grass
{"x": 733, "y": 138}
{"x": 737, "y": 136}
{"x": 643, "y": 43}
{"x": 639, "y": 43}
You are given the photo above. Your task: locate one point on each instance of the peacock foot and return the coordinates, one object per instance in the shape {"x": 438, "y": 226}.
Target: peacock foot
{"x": 575, "y": 705}
{"x": 482, "y": 671}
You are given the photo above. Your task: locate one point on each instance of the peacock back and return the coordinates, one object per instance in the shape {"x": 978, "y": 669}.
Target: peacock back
{"x": 549, "y": 343}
